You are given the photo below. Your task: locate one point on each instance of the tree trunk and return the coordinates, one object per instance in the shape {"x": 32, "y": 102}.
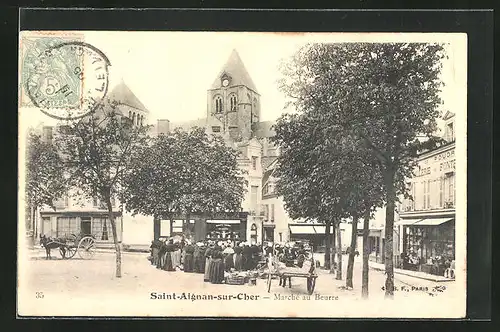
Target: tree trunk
{"x": 339, "y": 253}
{"x": 327, "y": 245}
{"x": 350, "y": 260}
{"x": 366, "y": 252}
{"x": 389, "y": 229}
{"x": 115, "y": 239}
{"x": 334, "y": 250}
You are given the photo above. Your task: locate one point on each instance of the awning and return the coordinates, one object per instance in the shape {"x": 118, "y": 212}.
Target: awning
{"x": 303, "y": 229}
{"x": 222, "y": 221}
{"x": 432, "y": 221}
{"x": 407, "y": 222}
{"x": 322, "y": 229}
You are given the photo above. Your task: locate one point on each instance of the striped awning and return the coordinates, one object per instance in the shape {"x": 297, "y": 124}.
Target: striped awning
{"x": 302, "y": 229}
{"x": 432, "y": 221}
{"x": 222, "y": 221}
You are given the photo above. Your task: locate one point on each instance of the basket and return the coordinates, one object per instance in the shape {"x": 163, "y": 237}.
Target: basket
{"x": 236, "y": 280}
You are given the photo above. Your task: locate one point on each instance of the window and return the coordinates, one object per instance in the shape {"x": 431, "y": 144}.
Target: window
{"x": 451, "y": 133}
{"x": 266, "y": 189}
{"x": 272, "y": 212}
{"x": 218, "y": 104}
{"x": 425, "y": 195}
{"x": 177, "y": 226}
{"x": 66, "y": 226}
{"x": 428, "y": 194}
{"x": 130, "y": 114}
{"x": 451, "y": 190}
{"x": 233, "y": 102}
{"x": 253, "y": 197}
{"x": 100, "y": 228}
{"x": 216, "y": 129}
{"x": 254, "y": 163}
{"x": 47, "y": 133}
{"x": 441, "y": 193}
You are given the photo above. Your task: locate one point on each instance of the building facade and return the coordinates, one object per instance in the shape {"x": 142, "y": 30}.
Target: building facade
{"x": 74, "y": 215}
{"x": 427, "y": 221}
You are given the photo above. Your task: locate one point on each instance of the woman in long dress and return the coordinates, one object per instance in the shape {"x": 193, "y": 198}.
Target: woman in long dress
{"x": 217, "y": 268}
{"x": 167, "y": 260}
{"x": 189, "y": 258}
{"x": 176, "y": 255}
{"x": 208, "y": 260}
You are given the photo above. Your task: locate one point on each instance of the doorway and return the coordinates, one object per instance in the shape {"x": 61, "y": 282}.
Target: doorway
{"x": 86, "y": 226}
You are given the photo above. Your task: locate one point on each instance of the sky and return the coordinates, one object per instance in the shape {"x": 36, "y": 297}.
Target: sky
{"x": 170, "y": 72}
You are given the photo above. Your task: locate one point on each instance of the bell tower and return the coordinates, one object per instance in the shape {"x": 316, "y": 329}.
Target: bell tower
{"x": 233, "y": 103}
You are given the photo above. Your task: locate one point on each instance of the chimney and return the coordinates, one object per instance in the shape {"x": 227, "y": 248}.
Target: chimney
{"x": 163, "y": 126}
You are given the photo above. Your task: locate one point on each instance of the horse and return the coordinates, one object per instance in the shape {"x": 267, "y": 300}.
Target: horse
{"x": 49, "y": 244}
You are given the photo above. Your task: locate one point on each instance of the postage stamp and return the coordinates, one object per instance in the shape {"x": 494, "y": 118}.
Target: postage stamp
{"x": 229, "y": 203}
{"x": 61, "y": 75}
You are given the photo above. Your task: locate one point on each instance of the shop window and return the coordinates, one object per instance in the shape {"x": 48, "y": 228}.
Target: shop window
{"x": 66, "y": 226}
{"x": 177, "y": 226}
{"x": 100, "y": 228}
{"x": 216, "y": 129}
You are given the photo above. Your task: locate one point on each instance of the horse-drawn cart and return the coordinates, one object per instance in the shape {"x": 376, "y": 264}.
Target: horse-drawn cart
{"x": 277, "y": 268}
{"x": 69, "y": 245}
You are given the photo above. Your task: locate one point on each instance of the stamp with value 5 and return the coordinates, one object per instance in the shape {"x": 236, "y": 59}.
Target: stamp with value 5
{"x": 62, "y": 76}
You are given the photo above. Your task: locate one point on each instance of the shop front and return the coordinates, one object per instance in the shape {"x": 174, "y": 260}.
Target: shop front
{"x": 429, "y": 245}
{"x": 313, "y": 233}
{"x": 218, "y": 228}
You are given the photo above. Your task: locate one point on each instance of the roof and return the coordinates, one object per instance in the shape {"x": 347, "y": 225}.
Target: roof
{"x": 264, "y": 129}
{"x": 187, "y": 125}
{"x": 235, "y": 68}
{"x": 124, "y": 95}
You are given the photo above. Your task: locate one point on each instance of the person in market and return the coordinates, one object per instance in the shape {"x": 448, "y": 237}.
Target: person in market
{"x": 237, "y": 259}
{"x": 189, "y": 257}
{"x": 208, "y": 260}
{"x": 217, "y": 267}
{"x": 176, "y": 254}
{"x": 199, "y": 257}
{"x": 167, "y": 256}
{"x": 162, "y": 249}
{"x": 247, "y": 256}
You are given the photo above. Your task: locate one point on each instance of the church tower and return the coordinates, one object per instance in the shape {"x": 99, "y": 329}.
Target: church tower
{"x": 233, "y": 103}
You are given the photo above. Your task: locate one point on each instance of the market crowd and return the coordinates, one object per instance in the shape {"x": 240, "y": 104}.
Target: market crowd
{"x": 213, "y": 259}
{"x": 209, "y": 257}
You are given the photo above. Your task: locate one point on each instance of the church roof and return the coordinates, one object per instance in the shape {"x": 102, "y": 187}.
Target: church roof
{"x": 124, "y": 95}
{"x": 235, "y": 68}
{"x": 264, "y": 129}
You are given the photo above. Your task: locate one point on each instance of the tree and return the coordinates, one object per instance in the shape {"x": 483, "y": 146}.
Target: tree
{"x": 385, "y": 94}
{"x": 309, "y": 174}
{"x": 97, "y": 151}
{"x": 184, "y": 173}
{"x": 45, "y": 176}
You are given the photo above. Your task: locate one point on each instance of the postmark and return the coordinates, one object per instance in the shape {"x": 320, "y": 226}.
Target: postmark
{"x": 65, "y": 79}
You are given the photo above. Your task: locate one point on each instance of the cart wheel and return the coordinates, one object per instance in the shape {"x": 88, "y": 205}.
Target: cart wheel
{"x": 311, "y": 283}
{"x": 70, "y": 252}
{"x": 269, "y": 279}
{"x": 86, "y": 248}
